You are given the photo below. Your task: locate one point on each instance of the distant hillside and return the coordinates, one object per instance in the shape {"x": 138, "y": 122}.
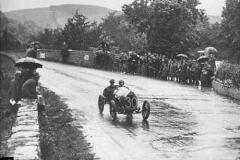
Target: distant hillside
{"x": 56, "y": 16}
{"x": 214, "y": 19}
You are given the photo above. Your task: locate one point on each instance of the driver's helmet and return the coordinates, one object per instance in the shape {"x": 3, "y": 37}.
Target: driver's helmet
{"x": 112, "y": 81}
{"x": 121, "y": 82}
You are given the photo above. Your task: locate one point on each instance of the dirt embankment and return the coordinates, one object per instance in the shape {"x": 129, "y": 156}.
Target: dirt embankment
{"x": 7, "y": 116}
{"x": 58, "y": 138}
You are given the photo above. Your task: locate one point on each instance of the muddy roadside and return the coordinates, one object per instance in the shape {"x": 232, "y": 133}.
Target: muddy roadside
{"x": 58, "y": 138}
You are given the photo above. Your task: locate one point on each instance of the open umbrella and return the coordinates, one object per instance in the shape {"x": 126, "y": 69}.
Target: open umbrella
{"x": 202, "y": 59}
{"x": 209, "y": 50}
{"x": 28, "y": 62}
{"x": 182, "y": 55}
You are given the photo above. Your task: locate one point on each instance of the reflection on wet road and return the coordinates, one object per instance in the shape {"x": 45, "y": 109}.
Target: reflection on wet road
{"x": 185, "y": 122}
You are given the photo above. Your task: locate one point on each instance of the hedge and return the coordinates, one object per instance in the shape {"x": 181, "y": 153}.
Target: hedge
{"x": 229, "y": 75}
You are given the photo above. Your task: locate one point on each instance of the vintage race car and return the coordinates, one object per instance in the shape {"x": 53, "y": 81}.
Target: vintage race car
{"x": 123, "y": 101}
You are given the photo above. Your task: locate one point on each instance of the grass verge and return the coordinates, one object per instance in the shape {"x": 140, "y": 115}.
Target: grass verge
{"x": 7, "y": 119}
{"x": 59, "y": 140}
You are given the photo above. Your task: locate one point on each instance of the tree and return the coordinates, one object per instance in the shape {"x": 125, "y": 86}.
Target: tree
{"x": 231, "y": 27}
{"x": 121, "y": 34}
{"x": 8, "y": 37}
{"x": 76, "y": 31}
{"x": 93, "y": 35}
{"x": 169, "y": 25}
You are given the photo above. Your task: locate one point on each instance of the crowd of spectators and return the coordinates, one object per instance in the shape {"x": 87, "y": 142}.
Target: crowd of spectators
{"x": 180, "y": 69}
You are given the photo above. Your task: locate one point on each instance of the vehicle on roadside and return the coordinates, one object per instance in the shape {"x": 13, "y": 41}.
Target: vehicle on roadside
{"x": 123, "y": 101}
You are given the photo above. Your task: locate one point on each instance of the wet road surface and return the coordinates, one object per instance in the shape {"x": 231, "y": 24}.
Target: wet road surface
{"x": 186, "y": 122}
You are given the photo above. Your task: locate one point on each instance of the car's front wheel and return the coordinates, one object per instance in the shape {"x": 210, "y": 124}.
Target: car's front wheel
{"x": 101, "y": 103}
{"x": 113, "y": 112}
{"x": 145, "y": 110}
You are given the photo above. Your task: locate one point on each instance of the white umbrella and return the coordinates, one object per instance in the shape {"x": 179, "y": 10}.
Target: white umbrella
{"x": 182, "y": 55}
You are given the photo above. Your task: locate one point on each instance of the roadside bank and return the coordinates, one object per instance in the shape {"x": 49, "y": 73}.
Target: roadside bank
{"x": 226, "y": 90}
{"x": 58, "y": 138}
{"x": 7, "y": 117}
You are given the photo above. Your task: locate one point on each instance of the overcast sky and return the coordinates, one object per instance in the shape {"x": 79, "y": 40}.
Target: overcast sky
{"x": 212, "y": 7}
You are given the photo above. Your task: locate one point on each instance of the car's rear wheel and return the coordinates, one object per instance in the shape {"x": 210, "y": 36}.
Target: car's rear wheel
{"x": 101, "y": 103}
{"x": 145, "y": 110}
{"x": 113, "y": 112}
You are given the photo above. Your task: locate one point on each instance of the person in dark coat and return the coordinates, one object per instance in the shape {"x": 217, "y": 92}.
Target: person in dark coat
{"x": 108, "y": 92}
{"x": 197, "y": 73}
{"x": 14, "y": 92}
{"x": 65, "y": 53}
{"x": 32, "y": 51}
{"x": 29, "y": 88}
{"x": 207, "y": 76}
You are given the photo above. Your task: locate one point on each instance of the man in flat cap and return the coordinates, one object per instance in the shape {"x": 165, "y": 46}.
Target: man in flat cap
{"x": 29, "y": 88}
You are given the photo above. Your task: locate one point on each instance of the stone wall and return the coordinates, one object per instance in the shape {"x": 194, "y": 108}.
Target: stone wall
{"x": 80, "y": 58}
{"x": 24, "y": 141}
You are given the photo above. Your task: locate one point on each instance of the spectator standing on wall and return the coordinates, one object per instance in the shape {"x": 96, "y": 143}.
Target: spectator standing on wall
{"x": 30, "y": 48}
{"x": 32, "y": 51}
{"x": 65, "y": 53}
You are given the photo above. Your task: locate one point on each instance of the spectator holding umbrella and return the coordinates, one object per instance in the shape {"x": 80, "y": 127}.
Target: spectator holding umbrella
{"x": 28, "y": 67}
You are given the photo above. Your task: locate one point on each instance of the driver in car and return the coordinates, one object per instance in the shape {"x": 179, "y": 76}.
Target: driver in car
{"x": 121, "y": 84}
{"x": 121, "y": 92}
{"x": 108, "y": 92}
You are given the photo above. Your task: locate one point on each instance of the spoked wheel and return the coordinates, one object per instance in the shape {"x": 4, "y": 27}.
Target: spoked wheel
{"x": 100, "y": 103}
{"x": 113, "y": 112}
{"x": 145, "y": 110}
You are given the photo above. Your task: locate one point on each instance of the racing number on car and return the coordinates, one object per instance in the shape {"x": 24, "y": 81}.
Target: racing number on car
{"x": 134, "y": 102}
{"x": 128, "y": 104}
{"x": 131, "y": 102}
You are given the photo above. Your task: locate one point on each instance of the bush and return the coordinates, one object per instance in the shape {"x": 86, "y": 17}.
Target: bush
{"x": 229, "y": 75}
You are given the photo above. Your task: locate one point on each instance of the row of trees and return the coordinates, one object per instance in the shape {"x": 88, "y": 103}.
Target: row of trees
{"x": 162, "y": 26}
{"x": 15, "y": 35}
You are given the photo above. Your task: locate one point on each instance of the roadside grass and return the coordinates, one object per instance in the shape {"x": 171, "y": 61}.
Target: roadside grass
{"x": 7, "y": 117}
{"x": 59, "y": 140}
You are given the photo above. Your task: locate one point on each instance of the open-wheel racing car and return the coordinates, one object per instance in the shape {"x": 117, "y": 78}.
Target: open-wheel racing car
{"x": 122, "y": 101}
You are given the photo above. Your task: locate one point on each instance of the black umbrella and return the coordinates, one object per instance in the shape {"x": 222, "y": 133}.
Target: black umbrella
{"x": 28, "y": 62}
{"x": 202, "y": 59}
